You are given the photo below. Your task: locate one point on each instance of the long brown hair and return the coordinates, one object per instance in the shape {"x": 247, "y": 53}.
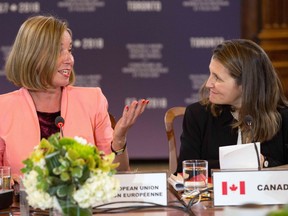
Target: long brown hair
{"x": 32, "y": 60}
{"x": 262, "y": 91}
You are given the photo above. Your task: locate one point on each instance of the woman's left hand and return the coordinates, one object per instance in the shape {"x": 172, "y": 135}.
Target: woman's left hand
{"x": 129, "y": 116}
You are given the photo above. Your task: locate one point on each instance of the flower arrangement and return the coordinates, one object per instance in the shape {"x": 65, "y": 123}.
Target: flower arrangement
{"x": 69, "y": 175}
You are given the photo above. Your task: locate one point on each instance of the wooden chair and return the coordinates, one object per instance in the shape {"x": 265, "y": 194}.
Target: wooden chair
{"x": 169, "y": 118}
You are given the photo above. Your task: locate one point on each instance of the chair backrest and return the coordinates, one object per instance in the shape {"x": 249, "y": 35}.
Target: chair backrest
{"x": 169, "y": 117}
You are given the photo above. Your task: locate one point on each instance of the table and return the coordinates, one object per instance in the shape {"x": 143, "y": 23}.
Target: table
{"x": 204, "y": 208}
{"x": 157, "y": 211}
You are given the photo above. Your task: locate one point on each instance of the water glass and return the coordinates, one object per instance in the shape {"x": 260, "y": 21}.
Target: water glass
{"x": 5, "y": 178}
{"x": 24, "y": 205}
{"x": 195, "y": 176}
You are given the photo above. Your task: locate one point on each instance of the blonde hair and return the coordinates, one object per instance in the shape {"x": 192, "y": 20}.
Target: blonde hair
{"x": 33, "y": 58}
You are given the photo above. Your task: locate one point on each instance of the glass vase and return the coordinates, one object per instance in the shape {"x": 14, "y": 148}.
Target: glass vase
{"x": 67, "y": 208}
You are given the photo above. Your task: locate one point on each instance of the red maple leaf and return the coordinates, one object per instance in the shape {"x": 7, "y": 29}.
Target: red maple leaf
{"x": 233, "y": 187}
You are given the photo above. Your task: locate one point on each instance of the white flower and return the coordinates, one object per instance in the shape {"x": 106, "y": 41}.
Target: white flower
{"x": 36, "y": 198}
{"x": 100, "y": 187}
{"x": 81, "y": 140}
{"x": 41, "y": 163}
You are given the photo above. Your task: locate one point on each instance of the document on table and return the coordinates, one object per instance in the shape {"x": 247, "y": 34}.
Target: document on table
{"x": 239, "y": 156}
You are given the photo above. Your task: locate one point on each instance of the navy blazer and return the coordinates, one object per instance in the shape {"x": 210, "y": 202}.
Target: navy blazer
{"x": 203, "y": 134}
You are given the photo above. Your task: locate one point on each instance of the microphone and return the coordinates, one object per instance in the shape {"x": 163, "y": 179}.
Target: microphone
{"x": 249, "y": 120}
{"x": 59, "y": 122}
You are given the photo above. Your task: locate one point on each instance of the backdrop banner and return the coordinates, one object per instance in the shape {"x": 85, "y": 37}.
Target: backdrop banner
{"x": 133, "y": 49}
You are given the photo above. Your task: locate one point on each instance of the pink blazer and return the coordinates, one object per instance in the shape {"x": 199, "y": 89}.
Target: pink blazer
{"x": 85, "y": 111}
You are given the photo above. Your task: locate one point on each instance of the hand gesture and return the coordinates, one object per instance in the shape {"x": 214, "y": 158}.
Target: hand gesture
{"x": 129, "y": 116}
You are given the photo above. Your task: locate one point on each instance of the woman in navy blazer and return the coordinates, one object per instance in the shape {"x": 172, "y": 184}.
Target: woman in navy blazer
{"x": 242, "y": 82}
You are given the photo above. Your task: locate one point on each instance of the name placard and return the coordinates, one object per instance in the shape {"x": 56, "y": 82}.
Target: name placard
{"x": 141, "y": 188}
{"x": 245, "y": 187}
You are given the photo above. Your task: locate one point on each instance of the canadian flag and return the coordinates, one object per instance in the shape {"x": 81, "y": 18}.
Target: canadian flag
{"x": 233, "y": 188}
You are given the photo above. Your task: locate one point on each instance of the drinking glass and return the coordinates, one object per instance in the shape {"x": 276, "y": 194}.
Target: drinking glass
{"x": 24, "y": 205}
{"x": 5, "y": 178}
{"x": 195, "y": 176}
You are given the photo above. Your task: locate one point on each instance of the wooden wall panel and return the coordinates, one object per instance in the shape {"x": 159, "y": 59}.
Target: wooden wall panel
{"x": 266, "y": 22}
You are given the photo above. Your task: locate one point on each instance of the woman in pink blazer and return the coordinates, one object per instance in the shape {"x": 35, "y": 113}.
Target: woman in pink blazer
{"x": 41, "y": 64}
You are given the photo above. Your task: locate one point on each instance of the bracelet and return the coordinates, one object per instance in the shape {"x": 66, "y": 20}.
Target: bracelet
{"x": 120, "y": 151}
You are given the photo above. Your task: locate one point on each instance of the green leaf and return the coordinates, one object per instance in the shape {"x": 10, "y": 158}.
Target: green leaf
{"x": 42, "y": 185}
{"x": 60, "y": 169}
{"x": 64, "y": 163}
{"x": 62, "y": 191}
{"x": 52, "y": 191}
{"x": 76, "y": 172}
{"x": 65, "y": 176}
{"x": 65, "y": 190}
{"x": 46, "y": 146}
{"x": 28, "y": 166}
{"x": 78, "y": 162}
{"x": 25, "y": 170}
{"x": 54, "y": 140}
{"x": 85, "y": 175}
{"x": 70, "y": 189}
{"x": 55, "y": 180}
{"x": 39, "y": 170}
{"x": 281, "y": 212}
{"x": 278, "y": 213}
{"x": 72, "y": 155}
{"x": 52, "y": 161}
{"x": 91, "y": 163}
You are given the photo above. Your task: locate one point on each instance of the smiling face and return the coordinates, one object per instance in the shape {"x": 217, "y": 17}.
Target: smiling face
{"x": 65, "y": 62}
{"x": 223, "y": 89}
